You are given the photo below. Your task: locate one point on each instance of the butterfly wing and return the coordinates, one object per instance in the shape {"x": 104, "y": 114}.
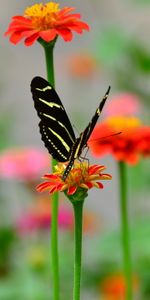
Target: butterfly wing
{"x": 55, "y": 127}
{"x": 85, "y": 135}
{"x": 81, "y": 142}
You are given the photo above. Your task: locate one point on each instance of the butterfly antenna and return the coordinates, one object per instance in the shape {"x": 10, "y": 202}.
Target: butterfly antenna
{"x": 105, "y": 137}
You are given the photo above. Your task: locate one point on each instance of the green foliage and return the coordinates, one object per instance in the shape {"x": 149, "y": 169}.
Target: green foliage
{"x": 7, "y": 238}
{"x": 110, "y": 46}
{"x": 127, "y": 58}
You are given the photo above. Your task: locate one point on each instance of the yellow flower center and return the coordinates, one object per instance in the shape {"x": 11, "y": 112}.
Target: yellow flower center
{"x": 77, "y": 175}
{"x": 124, "y": 123}
{"x": 43, "y": 16}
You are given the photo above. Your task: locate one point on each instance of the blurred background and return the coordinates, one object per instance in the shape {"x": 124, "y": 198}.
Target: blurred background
{"x": 115, "y": 52}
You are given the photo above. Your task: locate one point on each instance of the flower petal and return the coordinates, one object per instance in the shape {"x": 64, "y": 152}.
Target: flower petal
{"x": 50, "y": 176}
{"x": 105, "y": 177}
{"x": 89, "y": 184}
{"x": 31, "y": 39}
{"x": 98, "y": 185}
{"x": 84, "y": 185}
{"x": 64, "y": 11}
{"x": 65, "y": 33}
{"x": 53, "y": 189}
{"x": 48, "y": 35}
{"x": 96, "y": 169}
{"x": 71, "y": 190}
{"x": 43, "y": 186}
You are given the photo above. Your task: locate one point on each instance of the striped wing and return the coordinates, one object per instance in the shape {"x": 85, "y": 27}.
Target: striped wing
{"x": 55, "y": 127}
{"x": 85, "y": 135}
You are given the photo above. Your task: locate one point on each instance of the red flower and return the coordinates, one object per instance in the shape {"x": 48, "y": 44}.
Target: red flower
{"x": 81, "y": 176}
{"x": 144, "y": 140}
{"x": 128, "y": 146}
{"x": 45, "y": 21}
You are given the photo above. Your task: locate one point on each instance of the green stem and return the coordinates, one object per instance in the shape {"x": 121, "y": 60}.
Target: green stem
{"x": 125, "y": 231}
{"x": 49, "y": 63}
{"x": 48, "y": 48}
{"x": 78, "y": 209}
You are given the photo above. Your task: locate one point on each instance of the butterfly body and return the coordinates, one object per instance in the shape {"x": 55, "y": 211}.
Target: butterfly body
{"x": 55, "y": 127}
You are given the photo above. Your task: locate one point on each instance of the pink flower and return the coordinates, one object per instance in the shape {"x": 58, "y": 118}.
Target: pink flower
{"x": 34, "y": 220}
{"x": 123, "y": 104}
{"x": 23, "y": 163}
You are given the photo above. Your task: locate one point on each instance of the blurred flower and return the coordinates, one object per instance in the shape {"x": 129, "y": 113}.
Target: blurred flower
{"x": 23, "y": 163}
{"x": 113, "y": 287}
{"x": 91, "y": 222}
{"x": 144, "y": 140}
{"x": 38, "y": 217}
{"x": 128, "y": 146}
{"x": 82, "y": 65}
{"x": 82, "y": 176}
{"x": 123, "y": 104}
{"x": 45, "y": 21}
{"x": 37, "y": 258}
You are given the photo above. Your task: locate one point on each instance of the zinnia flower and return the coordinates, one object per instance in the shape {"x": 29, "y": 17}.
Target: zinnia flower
{"x": 45, "y": 21}
{"x": 128, "y": 146}
{"x": 81, "y": 178}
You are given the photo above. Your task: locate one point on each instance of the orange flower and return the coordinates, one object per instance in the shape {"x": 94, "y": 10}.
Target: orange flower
{"x": 82, "y": 177}
{"x": 128, "y": 146}
{"x": 113, "y": 286}
{"x": 45, "y": 21}
{"x": 82, "y": 65}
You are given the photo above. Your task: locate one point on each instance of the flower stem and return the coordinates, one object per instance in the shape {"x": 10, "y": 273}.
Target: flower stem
{"x": 48, "y": 48}
{"x": 125, "y": 231}
{"x": 49, "y": 63}
{"x": 78, "y": 209}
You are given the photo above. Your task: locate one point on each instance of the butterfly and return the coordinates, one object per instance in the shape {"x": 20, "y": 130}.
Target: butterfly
{"x": 55, "y": 127}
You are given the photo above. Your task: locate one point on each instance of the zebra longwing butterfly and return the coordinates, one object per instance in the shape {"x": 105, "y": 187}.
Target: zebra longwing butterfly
{"x": 55, "y": 128}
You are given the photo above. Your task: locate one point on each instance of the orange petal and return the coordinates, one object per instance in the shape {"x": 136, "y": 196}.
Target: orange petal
{"x": 66, "y": 34}
{"x": 105, "y": 177}
{"x": 98, "y": 185}
{"x": 41, "y": 187}
{"x": 50, "y": 176}
{"x": 65, "y": 10}
{"x": 95, "y": 169}
{"x": 48, "y": 35}
{"x": 84, "y": 185}
{"x": 64, "y": 187}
